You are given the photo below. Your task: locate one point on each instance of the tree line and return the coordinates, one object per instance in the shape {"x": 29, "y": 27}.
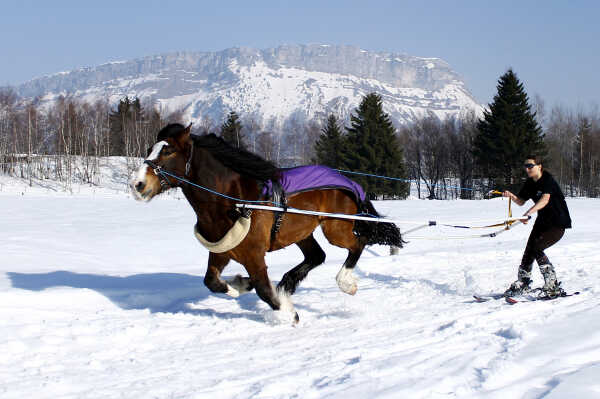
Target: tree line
{"x": 67, "y": 140}
{"x": 468, "y": 156}
{"x": 461, "y": 157}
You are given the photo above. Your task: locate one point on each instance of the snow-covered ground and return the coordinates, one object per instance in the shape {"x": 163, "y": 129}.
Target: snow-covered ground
{"x": 102, "y": 297}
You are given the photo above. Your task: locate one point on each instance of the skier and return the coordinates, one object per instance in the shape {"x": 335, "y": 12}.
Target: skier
{"x": 552, "y": 220}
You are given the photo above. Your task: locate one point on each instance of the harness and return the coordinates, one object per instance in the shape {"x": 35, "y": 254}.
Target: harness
{"x": 277, "y": 197}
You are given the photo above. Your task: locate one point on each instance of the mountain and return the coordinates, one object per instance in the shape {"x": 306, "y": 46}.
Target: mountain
{"x": 273, "y": 85}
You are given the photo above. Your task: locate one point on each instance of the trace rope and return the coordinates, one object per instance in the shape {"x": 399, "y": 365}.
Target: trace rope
{"x": 401, "y": 179}
{"x": 276, "y": 207}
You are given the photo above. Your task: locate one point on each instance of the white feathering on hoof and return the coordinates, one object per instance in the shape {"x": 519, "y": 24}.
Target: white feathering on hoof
{"x": 286, "y": 312}
{"x": 346, "y": 281}
{"x": 238, "y": 284}
{"x": 285, "y": 303}
{"x": 232, "y": 292}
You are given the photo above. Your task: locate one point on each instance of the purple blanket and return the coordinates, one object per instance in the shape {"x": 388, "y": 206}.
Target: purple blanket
{"x": 314, "y": 177}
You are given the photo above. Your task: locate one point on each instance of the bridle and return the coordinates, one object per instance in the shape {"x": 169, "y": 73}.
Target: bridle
{"x": 162, "y": 176}
{"x": 164, "y": 183}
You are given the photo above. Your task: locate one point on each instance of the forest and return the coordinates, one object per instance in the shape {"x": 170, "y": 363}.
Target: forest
{"x": 462, "y": 157}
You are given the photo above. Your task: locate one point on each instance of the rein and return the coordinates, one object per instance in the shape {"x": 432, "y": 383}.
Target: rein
{"x": 162, "y": 174}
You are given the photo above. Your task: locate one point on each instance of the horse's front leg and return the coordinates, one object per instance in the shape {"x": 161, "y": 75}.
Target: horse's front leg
{"x": 234, "y": 287}
{"x": 277, "y": 299}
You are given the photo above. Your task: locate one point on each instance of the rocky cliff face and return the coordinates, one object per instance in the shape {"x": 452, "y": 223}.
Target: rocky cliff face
{"x": 272, "y": 85}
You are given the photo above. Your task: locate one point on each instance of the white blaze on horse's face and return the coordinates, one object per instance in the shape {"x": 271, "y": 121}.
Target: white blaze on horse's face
{"x": 145, "y": 184}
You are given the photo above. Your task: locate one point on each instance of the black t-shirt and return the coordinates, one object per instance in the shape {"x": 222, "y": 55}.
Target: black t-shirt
{"x": 556, "y": 213}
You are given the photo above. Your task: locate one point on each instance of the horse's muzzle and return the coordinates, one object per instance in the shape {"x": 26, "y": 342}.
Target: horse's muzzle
{"x": 141, "y": 190}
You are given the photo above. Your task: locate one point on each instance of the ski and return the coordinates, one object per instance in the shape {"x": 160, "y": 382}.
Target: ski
{"x": 533, "y": 298}
{"x": 488, "y": 297}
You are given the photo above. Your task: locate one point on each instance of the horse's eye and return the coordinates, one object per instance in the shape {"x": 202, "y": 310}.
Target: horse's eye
{"x": 168, "y": 150}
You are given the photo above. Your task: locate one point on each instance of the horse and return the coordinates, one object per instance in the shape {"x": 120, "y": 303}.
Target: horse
{"x": 214, "y": 176}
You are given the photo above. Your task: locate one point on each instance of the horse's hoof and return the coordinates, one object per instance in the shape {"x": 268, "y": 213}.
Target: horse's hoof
{"x": 232, "y": 292}
{"x": 352, "y": 290}
{"x": 279, "y": 317}
{"x": 349, "y": 289}
{"x": 346, "y": 281}
{"x": 240, "y": 284}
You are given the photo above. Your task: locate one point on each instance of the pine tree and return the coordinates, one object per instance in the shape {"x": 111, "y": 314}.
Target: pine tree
{"x": 123, "y": 122}
{"x": 508, "y": 132}
{"x": 231, "y": 131}
{"x": 328, "y": 147}
{"x": 118, "y": 119}
{"x": 581, "y": 141}
{"x": 371, "y": 146}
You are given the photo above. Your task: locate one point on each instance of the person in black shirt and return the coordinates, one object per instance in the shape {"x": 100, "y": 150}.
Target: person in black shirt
{"x": 552, "y": 220}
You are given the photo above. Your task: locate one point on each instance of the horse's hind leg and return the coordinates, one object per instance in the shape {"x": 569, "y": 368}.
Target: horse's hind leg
{"x": 313, "y": 257}
{"x": 339, "y": 233}
{"x": 234, "y": 288}
{"x": 345, "y": 279}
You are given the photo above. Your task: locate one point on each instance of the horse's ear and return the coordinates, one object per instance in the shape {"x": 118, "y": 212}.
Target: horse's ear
{"x": 184, "y": 136}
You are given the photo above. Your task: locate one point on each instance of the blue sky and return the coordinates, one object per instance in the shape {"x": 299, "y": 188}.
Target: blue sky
{"x": 553, "y": 46}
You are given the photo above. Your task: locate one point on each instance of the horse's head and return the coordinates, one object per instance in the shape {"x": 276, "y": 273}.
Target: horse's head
{"x": 172, "y": 153}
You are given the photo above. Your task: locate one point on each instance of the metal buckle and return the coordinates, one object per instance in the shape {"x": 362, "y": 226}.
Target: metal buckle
{"x": 164, "y": 183}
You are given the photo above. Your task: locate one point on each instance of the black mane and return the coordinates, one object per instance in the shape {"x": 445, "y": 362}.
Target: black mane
{"x": 241, "y": 161}
{"x": 171, "y": 130}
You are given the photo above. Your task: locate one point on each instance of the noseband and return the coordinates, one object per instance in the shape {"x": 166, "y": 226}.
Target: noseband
{"x": 162, "y": 178}
{"x": 164, "y": 182}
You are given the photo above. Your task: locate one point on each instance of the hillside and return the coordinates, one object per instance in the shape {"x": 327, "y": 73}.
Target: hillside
{"x": 272, "y": 86}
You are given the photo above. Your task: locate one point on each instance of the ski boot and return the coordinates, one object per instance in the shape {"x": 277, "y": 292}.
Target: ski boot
{"x": 521, "y": 286}
{"x": 551, "y": 288}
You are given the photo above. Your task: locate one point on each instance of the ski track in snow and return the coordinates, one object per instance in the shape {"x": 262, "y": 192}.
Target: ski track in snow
{"x": 103, "y": 297}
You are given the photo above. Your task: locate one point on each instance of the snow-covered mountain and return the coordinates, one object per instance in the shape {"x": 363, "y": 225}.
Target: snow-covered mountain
{"x": 271, "y": 85}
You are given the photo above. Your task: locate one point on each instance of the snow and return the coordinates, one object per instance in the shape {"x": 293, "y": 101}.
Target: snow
{"x": 103, "y": 297}
{"x": 284, "y": 91}
{"x": 114, "y": 62}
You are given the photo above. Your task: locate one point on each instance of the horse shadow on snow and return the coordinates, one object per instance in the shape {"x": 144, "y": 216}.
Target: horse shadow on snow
{"x": 157, "y": 292}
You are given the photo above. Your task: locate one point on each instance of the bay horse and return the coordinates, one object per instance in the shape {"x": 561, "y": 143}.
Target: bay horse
{"x": 210, "y": 162}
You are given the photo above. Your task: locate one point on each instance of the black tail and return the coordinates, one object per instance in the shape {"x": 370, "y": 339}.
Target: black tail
{"x": 383, "y": 233}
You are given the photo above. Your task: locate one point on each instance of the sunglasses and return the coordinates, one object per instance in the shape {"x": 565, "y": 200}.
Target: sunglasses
{"x": 529, "y": 165}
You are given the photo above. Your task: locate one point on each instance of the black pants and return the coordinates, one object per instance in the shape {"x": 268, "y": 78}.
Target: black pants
{"x": 540, "y": 239}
